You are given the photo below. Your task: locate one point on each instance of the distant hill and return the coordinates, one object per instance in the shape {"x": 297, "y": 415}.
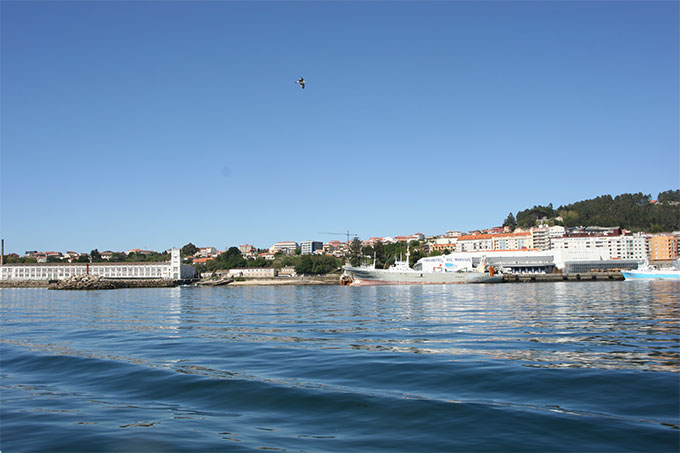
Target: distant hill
{"x": 635, "y": 212}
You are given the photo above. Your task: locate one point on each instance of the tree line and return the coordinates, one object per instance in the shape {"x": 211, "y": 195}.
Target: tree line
{"x": 634, "y": 212}
{"x": 303, "y": 264}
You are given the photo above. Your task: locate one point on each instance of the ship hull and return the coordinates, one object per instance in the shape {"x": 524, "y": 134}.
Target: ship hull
{"x": 368, "y": 277}
{"x": 634, "y": 275}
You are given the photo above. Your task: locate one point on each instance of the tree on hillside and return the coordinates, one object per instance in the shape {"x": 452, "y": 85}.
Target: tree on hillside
{"x": 258, "y": 262}
{"x": 118, "y": 257}
{"x": 355, "y": 252}
{"x": 669, "y": 195}
{"x": 529, "y": 217}
{"x": 189, "y": 250}
{"x": 96, "y": 257}
{"x": 232, "y": 258}
{"x": 379, "y": 254}
{"x": 316, "y": 264}
{"x": 510, "y": 221}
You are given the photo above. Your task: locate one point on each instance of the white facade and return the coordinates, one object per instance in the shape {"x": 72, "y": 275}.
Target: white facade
{"x": 173, "y": 270}
{"x": 562, "y": 256}
{"x": 286, "y": 247}
{"x": 207, "y": 252}
{"x": 557, "y": 231}
{"x": 474, "y": 243}
{"x": 632, "y": 247}
{"x": 253, "y": 272}
{"x": 541, "y": 237}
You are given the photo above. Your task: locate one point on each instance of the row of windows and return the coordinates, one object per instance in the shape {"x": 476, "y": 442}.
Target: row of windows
{"x": 48, "y": 273}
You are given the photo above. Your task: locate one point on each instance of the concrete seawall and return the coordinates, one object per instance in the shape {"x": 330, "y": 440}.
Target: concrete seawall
{"x": 89, "y": 283}
{"x": 584, "y": 276}
{"x": 332, "y": 279}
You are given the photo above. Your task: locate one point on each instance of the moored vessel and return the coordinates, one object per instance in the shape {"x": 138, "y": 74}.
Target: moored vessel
{"x": 646, "y": 271}
{"x": 445, "y": 269}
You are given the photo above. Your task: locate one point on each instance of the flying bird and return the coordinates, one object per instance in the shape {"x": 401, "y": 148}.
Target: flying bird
{"x": 301, "y": 82}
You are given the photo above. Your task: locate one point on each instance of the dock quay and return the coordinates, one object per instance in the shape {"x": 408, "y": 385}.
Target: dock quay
{"x": 559, "y": 277}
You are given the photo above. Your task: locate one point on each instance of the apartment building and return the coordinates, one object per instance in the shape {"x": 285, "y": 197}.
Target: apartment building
{"x": 663, "y": 247}
{"x": 246, "y": 249}
{"x": 541, "y": 237}
{"x": 618, "y": 246}
{"x": 207, "y": 252}
{"x": 507, "y": 241}
{"x": 309, "y": 247}
{"x": 287, "y": 247}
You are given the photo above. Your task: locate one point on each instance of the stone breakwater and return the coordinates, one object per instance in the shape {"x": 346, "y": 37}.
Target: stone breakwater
{"x": 94, "y": 282}
{"x": 24, "y": 284}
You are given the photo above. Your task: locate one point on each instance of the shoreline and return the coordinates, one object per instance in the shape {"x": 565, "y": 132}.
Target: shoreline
{"x": 324, "y": 280}
{"x": 289, "y": 281}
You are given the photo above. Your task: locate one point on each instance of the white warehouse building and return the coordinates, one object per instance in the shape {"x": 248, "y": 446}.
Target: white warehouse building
{"x": 169, "y": 270}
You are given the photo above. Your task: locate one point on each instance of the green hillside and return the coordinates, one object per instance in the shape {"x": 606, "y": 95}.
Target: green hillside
{"x": 635, "y": 212}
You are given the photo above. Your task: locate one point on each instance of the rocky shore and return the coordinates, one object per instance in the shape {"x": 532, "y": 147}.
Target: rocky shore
{"x": 94, "y": 282}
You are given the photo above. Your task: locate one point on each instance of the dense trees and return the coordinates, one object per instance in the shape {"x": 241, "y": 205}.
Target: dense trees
{"x": 304, "y": 264}
{"x": 13, "y": 258}
{"x": 95, "y": 256}
{"x": 138, "y": 257}
{"x": 316, "y": 264}
{"x": 386, "y": 254}
{"x": 669, "y": 196}
{"x": 529, "y": 217}
{"x": 230, "y": 259}
{"x": 634, "y": 212}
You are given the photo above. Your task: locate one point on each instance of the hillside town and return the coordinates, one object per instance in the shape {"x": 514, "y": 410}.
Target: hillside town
{"x": 540, "y": 249}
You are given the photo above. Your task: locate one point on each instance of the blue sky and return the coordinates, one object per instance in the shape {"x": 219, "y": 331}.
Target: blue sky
{"x": 154, "y": 124}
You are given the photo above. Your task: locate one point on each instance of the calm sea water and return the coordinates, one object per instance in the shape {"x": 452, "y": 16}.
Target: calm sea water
{"x": 570, "y": 366}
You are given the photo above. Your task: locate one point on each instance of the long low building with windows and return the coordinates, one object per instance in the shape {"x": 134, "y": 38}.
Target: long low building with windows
{"x": 168, "y": 270}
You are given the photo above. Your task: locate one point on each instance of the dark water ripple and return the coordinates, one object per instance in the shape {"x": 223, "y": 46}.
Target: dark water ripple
{"x": 587, "y": 366}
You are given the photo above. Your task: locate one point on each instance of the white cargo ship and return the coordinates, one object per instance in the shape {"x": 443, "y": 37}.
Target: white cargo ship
{"x": 434, "y": 270}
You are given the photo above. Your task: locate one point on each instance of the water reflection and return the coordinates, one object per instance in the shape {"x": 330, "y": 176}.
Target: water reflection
{"x": 613, "y": 325}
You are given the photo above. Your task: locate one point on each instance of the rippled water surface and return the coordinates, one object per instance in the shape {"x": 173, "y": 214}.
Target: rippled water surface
{"x": 569, "y": 366}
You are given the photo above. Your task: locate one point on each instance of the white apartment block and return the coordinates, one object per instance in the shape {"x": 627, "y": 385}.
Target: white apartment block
{"x": 207, "y": 252}
{"x": 628, "y": 247}
{"x": 541, "y": 237}
{"x": 286, "y": 247}
{"x": 169, "y": 270}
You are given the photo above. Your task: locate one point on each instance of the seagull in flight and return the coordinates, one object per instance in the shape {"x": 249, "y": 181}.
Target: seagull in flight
{"x": 301, "y": 82}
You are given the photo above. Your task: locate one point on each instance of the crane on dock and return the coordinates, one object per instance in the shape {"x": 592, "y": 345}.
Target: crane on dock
{"x": 341, "y": 234}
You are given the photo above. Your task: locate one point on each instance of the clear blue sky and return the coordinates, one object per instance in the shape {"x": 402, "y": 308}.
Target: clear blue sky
{"x": 154, "y": 124}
